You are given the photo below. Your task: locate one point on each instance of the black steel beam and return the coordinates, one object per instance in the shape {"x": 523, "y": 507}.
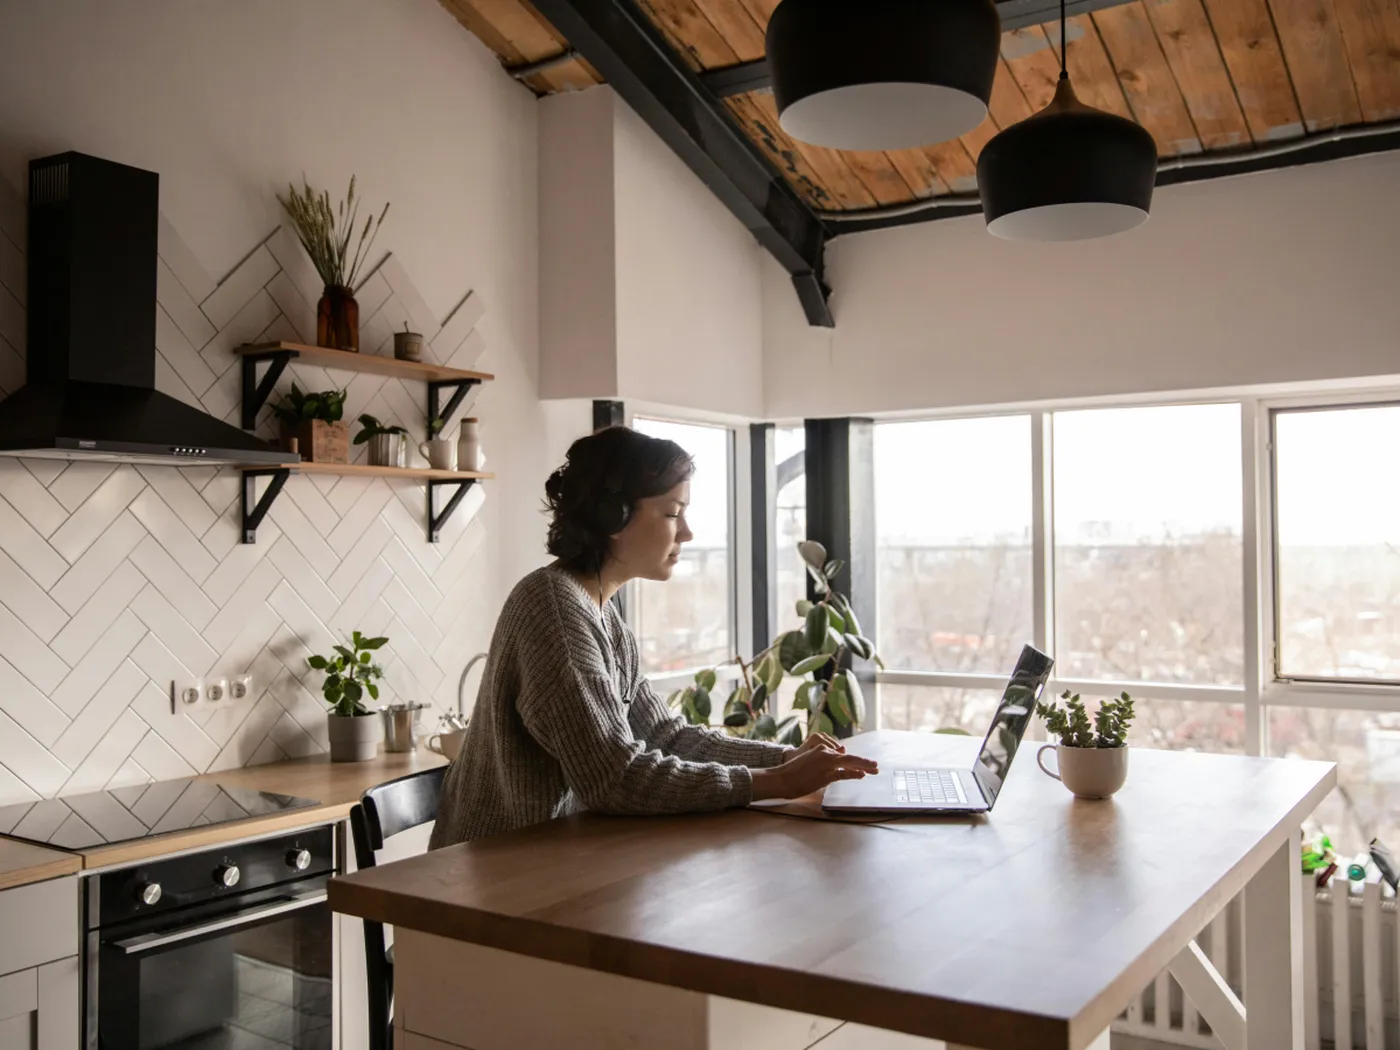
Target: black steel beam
{"x": 744, "y": 77}
{"x": 1198, "y": 168}
{"x": 630, "y": 53}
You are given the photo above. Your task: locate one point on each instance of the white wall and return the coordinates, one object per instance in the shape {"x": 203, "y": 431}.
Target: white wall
{"x": 114, "y": 581}
{"x": 690, "y": 305}
{"x": 1281, "y": 277}
{"x": 650, "y": 288}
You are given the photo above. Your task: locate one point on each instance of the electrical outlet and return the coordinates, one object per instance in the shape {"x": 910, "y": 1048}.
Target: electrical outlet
{"x": 217, "y": 690}
{"x": 186, "y": 695}
{"x": 241, "y": 687}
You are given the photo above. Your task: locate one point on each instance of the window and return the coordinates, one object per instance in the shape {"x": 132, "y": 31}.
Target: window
{"x": 1149, "y": 545}
{"x": 1366, "y": 747}
{"x": 931, "y": 709}
{"x": 953, "y": 524}
{"x": 790, "y": 574}
{"x": 688, "y": 622}
{"x": 1338, "y": 544}
{"x": 1183, "y": 725}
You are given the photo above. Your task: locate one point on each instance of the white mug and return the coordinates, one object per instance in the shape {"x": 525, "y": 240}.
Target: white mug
{"x": 1090, "y": 772}
{"x": 441, "y": 453}
{"x": 448, "y": 745}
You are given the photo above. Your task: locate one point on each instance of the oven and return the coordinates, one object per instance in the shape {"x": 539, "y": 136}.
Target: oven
{"x": 225, "y": 949}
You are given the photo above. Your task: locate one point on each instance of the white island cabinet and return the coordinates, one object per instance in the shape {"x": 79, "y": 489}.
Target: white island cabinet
{"x": 39, "y": 966}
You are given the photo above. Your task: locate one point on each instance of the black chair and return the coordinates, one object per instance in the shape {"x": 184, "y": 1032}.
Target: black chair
{"x": 382, "y": 812}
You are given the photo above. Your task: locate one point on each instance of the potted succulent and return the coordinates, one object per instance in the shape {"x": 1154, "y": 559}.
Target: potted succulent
{"x": 354, "y": 730}
{"x": 819, "y": 653}
{"x": 314, "y": 421}
{"x": 326, "y": 232}
{"x": 386, "y": 442}
{"x": 1092, "y": 754}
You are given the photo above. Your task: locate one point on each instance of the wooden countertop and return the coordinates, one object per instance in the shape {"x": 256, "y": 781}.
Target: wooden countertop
{"x": 22, "y": 863}
{"x": 335, "y": 785}
{"x": 1028, "y": 928}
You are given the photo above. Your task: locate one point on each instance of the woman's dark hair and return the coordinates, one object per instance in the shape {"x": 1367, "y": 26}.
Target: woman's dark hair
{"x": 592, "y": 496}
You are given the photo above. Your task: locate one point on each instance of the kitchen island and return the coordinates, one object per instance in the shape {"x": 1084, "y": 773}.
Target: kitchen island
{"x": 1029, "y": 929}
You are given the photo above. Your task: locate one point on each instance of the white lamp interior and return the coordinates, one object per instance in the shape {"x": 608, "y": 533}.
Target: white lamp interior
{"x": 883, "y": 116}
{"x": 1075, "y": 221}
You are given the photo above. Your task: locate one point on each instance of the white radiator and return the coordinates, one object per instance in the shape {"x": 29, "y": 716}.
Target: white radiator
{"x": 1351, "y": 979}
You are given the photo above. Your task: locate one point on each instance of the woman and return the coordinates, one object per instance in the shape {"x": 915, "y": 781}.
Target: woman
{"x": 564, "y": 719}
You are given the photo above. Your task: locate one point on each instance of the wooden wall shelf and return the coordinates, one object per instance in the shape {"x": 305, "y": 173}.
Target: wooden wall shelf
{"x": 255, "y": 508}
{"x": 279, "y": 355}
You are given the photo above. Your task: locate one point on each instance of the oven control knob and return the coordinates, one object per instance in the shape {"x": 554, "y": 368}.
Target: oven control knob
{"x": 300, "y": 859}
{"x": 227, "y": 875}
{"x": 148, "y": 892}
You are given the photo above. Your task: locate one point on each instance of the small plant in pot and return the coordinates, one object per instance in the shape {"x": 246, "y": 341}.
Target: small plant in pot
{"x": 355, "y": 730}
{"x": 1092, "y": 754}
{"x": 386, "y": 442}
{"x": 315, "y": 421}
{"x": 818, "y": 654}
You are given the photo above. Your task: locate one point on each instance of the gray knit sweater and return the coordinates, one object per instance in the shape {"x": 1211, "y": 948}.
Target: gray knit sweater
{"x": 564, "y": 721}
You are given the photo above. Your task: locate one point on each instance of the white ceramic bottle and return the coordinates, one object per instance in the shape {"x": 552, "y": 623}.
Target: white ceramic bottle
{"x": 469, "y": 445}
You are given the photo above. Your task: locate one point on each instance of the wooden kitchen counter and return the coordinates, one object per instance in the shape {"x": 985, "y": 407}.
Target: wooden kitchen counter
{"x": 1029, "y": 929}
{"x": 22, "y": 863}
{"x": 336, "y": 786}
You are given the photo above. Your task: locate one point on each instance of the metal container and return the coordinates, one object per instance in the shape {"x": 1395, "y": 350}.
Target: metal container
{"x": 401, "y": 727}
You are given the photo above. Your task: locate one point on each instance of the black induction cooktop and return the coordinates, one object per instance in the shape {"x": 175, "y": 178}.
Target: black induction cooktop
{"x": 142, "y": 811}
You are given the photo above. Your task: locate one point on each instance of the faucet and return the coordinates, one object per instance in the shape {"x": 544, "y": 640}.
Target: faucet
{"x": 461, "y": 683}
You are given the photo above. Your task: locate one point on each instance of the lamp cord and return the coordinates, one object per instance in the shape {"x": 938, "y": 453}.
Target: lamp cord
{"x": 1064, "y": 73}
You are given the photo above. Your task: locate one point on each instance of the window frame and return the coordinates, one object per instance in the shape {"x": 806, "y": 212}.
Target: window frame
{"x": 740, "y": 544}
{"x": 1263, "y": 686}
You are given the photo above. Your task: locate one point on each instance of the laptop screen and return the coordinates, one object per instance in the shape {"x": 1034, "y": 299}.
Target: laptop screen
{"x": 1009, "y": 725}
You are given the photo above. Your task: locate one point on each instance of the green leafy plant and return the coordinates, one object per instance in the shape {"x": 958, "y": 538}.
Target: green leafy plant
{"x": 325, "y": 232}
{"x": 1071, "y": 723}
{"x": 299, "y": 406}
{"x": 819, "y": 653}
{"x": 435, "y": 426}
{"x": 350, "y": 674}
{"x": 372, "y": 427}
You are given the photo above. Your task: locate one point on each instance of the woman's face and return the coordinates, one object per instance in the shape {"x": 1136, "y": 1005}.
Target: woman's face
{"x": 649, "y": 547}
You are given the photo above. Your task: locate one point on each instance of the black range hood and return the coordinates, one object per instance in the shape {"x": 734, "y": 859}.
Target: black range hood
{"x": 90, "y": 391}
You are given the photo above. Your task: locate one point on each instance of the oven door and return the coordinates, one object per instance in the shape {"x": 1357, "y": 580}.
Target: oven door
{"x": 251, "y": 973}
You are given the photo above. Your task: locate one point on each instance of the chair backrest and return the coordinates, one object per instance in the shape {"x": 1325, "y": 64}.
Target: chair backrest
{"x": 392, "y": 807}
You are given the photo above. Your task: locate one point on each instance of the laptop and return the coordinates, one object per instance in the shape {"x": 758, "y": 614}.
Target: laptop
{"x": 947, "y": 790}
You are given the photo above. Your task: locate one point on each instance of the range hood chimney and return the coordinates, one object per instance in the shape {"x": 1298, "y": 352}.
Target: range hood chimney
{"x": 91, "y": 390}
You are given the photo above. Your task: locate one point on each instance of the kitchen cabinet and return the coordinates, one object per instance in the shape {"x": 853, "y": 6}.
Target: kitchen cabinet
{"x": 39, "y": 966}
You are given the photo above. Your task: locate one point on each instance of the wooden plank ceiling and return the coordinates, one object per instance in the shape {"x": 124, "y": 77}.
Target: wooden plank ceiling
{"x": 1200, "y": 75}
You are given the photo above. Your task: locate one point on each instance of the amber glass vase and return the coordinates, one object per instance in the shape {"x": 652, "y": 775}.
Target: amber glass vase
{"x": 338, "y": 320}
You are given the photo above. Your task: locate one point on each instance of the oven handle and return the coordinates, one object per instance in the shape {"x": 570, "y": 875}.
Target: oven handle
{"x": 150, "y": 941}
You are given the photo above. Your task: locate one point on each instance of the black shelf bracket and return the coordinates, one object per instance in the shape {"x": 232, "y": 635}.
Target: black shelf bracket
{"x": 255, "y": 394}
{"x": 459, "y": 388}
{"x": 438, "y": 520}
{"x": 254, "y": 509}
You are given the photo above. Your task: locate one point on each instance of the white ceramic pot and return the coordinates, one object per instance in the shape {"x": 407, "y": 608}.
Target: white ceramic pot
{"x": 469, "y": 445}
{"x": 386, "y": 450}
{"x": 1090, "y": 772}
{"x": 354, "y": 738}
{"x": 441, "y": 453}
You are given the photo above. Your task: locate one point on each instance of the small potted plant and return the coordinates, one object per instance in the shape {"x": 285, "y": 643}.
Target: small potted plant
{"x": 1092, "y": 754}
{"x": 326, "y": 232}
{"x": 314, "y": 421}
{"x": 386, "y": 442}
{"x": 351, "y": 672}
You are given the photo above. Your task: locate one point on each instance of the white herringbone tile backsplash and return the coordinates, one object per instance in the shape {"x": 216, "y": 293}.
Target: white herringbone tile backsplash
{"x": 117, "y": 580}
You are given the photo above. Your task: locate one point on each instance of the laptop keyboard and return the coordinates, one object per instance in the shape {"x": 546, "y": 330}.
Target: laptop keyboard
{"x": 927, "y": 786}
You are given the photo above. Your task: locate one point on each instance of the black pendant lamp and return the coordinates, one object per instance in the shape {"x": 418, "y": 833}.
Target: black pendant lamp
{"x": 882, "y": 74}
{"x": 1068, "y": 173}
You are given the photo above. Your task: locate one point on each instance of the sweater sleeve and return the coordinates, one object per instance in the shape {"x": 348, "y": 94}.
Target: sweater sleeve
{"x": 672, "y": 735}
{"x": 570, "y": 705}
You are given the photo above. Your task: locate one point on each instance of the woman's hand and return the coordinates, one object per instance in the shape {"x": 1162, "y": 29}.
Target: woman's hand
{"x": 809, "y": 769}
{"x": 815, "y": 740}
